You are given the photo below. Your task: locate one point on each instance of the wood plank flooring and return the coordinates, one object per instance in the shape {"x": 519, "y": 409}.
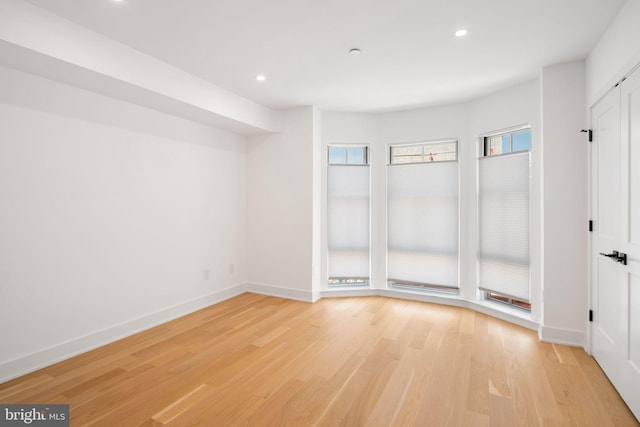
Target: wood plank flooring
{"x": 261, "y": 361}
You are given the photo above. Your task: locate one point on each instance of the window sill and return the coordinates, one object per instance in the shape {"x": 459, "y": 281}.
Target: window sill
{"x": 505, "y": 312}
{"x": 490, "y": 308}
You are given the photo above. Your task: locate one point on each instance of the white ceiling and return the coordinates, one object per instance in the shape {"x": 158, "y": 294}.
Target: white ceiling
{"x": 409, "y": 58}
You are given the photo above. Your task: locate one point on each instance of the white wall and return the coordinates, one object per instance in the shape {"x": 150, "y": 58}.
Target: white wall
{"x": 280, "y": 172}
{"x": 424, "y": 124}
{"x": 565, "y": 254}
{"x": 110, "y": 214}
{"x": 615, "y": 54}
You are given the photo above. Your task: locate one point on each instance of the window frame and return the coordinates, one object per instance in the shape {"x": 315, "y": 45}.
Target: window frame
{"x": 485, "y": 138}
{"x": 358, "y": 281}
{"x": 422, "y": 144}
{"x": 492, "y": 295}
{"x": 365, "y": 148}
{"x": 418, "y": 286}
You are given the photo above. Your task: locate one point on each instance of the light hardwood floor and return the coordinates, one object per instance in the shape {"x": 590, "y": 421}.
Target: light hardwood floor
{"x": 262, "y": 361}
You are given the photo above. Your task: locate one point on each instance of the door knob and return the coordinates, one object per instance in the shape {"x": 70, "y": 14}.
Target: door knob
{"x": 617, "y": 256}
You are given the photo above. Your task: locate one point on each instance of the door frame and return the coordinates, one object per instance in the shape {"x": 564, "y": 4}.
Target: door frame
{"x": 588, "y": 335}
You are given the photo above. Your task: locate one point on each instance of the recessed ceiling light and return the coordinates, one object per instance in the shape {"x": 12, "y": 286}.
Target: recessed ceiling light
{"x": 261, "y": 77}
{"x": 461, "y": 33}
{"x": 354, "y": 52}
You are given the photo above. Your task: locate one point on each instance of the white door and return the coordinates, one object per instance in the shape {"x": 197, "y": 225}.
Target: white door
{"x": 615, "y": 192}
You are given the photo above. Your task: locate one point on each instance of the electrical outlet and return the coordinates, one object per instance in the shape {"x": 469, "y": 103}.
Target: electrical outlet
{"x": 231, "y": 268}
{"x": 205, "y": 274}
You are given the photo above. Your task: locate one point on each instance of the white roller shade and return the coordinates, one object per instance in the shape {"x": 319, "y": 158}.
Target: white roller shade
{"x": 503, "y": 215}
{"x": 348, "y": 221}
{"x": 422, "y": 223}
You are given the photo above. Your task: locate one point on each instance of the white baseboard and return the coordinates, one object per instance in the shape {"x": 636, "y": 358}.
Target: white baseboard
{"x": 288, "y": 293}
{"x": 562, "y": 336}
{"x": 34, "y": 361}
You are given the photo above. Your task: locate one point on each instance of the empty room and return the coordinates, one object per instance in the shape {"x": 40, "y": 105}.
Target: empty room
{"x": 349, "y": 212}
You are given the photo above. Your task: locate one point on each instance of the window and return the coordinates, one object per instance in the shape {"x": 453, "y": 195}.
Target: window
{"x": 348, "y": 215}
{"x": 344, "y": 155}
{"x": 507, "y": 142}
{"x": 426, "y": 152}
{"x": 422, "y": 216}
{"x": 503, "y": 217}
